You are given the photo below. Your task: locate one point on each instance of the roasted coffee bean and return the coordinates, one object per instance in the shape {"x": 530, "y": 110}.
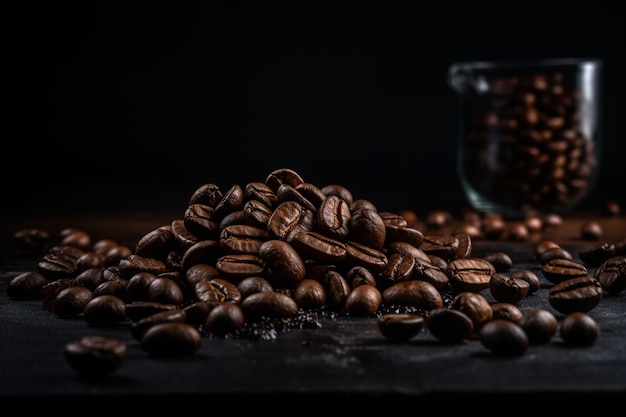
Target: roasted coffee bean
{"x": 165, "y": 291}
{"x": 55, "y": 266}
{"x": 289, "y": 219}
{"x": 283, "y": 176}
{"x": 364, "y": 300}
{"x": 475, "y": 306}
{"x": 242, "y": 239}
{"x": 26, "y": 285}
{"x": 400, "y": 327}
{"x": 407, "y": 249}
{"x": 338, "y": 191}
{"x": 157, "y": 243}
{"x": 504, "y": 338}
{"x": 217, "y": 289}
{"x": 33, "y": 240}
{"x": 287, "y": 193}
{"x": 135, "y": 263}
{"x": 184, "y": 237}
{"x": 393, "y": 219}
{"x": 445, "y": 247}
{"x": 309, "y": 294}
{"x": 202, "y": 252}
{"x": 362, "y": 204}
{"x": 260, "y": 191}
{"x": 358, "y": 254}
{"x": 269, "y": 304}
{"x": 172, "y": 339}
{"x": 580, "y": 294}
{"x": 105, "y": 310}
{"x": 75, "y": 237}
{"x": 436, "y": 219}
{"x": 117, "y": 254}
{"x": 501, "y": 261}
{"x": 368, "y": 228}
{"x": 449, "y": 325}
{"x": 359, "y": 275}
{"x": 595, "y": 255}
{"x": 89, "y": 260}
{"x": 399, "y": 268}
{"x": 236, "y": 217}
{"x": 137, "y": 286}
{"x": 506, "y": 289}
{"x": 50, "y": 290}
{"x": 555, "y": 253}
{"x": 506, "y": 311}
{"x": 534, "y": 283}
{"x": 612, "y": 274}
{"x": 116, "y": 288}
{"x": 71, "y": 301}
{"x": 543, "y": 246}
{"x": 236, "y": 267}
{"x": 197, "y": 312}
{"x": 95, "y": 357}
{"x": 137, "y": 310}
{"x": 493, "y": 226}
{"x": 559, "y": 270}
{"x": 465, "y": 246}
{"x": 312, "y": 193}
{"x": 208, "y": 194}
{"x": 433, "y": 274}
{"x": 251, "y": 285}
{"x": 257, "y": 214}
{"x": 517, "y": 232}
{"x": 200, "y": 272}
{"x": 319, "y": 247}
{"x": 225, "y": 318}
{"x": 333, "y": 218}
{"x": 417, "y": 294}
{"x": 591, "y": 230}
{"x": 579, "y": 329}
{"x": 175, "y": 315}
{"x": 416, "y": 238}
{"x": 470, "y": 274}
{"x": 337, "y": 290}
{"x": 283, "y": 263}
{"x": 539, "y": 324}
{"x": 233, "y": 200}
{"x": 200, "y": 221}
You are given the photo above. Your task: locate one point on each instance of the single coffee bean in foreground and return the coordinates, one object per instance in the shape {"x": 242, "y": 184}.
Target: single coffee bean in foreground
{"x": 95, "y": 357}
{"x": 504, "y": 338}
{"x": 579, "y": 329}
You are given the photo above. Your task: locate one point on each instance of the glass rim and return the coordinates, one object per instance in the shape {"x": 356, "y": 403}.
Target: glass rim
{"x": 521, "y": 64}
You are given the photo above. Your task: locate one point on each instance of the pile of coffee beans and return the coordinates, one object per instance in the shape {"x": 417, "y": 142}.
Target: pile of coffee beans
{"x": 280, "y": 254}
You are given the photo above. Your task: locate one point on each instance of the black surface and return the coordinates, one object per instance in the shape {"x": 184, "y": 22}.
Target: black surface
{"x": 345, "y": 361}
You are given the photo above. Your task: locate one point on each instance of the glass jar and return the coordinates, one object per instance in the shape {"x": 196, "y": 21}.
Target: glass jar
{"x": 529, "y": 133}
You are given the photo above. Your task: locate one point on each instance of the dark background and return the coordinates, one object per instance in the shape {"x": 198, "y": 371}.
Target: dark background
{"x": 133, "y": 105}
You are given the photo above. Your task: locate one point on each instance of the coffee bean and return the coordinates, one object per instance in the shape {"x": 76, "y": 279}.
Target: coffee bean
{"x": 580, "y": 294}
{"x": 506, "y": 311}
{"x": 225, "y": 318}
{"x": 504, "y": 338}
{"x": 269, "y": 304}
{"x": 171, "y": 339}
{"x": 579, "y": 329}
{"x": 26, "y": 285}
{"x": 95, "y": 357}
{"x": 417, "y": 294}
{"x": 449, "y": 325}
{"x": 363, "y": 300}
{"x": 400, "y": 327}
{"x": 539, "y": 324}
{"x": 507, "y": 289}
{"x": 105, "y": 310}
{"x": 470, "y": 274}
{"x": 558, "y": 270}
{"x": 612, "y": 274}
